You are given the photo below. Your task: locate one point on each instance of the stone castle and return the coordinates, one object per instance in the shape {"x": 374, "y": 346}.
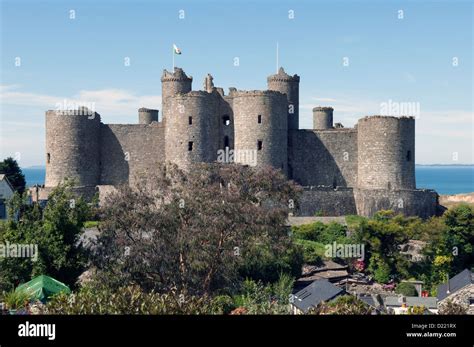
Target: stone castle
{"x": 343, "y": 171}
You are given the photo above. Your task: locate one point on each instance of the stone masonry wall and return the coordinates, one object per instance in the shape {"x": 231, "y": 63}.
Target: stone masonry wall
{"x": 272, "y": 130}
{"x": 326, "y": 201}
{"x": 386, "y": 151}
{"x": 409, "y": 202}
{"x": 130, "y": 149}
{"x": 72, "y": 147}
{"x": 192, "y": 128}
{"x": 323, "y": 157}
{"x": 288, "y": 85}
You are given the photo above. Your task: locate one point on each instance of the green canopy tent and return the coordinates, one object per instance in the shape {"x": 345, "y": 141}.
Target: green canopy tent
{"x": 42, "y": 288}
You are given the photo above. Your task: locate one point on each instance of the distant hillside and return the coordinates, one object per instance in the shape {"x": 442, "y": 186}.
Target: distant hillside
{"x": 34, "y": 167}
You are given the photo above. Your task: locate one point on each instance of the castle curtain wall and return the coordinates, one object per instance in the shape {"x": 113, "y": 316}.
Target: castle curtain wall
{"x": 128, "y": 150}
{"x": 324, "y": 157}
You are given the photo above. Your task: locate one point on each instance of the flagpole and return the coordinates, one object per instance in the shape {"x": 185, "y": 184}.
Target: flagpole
{"x": 172, "y": 53}
{"x": 277, "y": 53}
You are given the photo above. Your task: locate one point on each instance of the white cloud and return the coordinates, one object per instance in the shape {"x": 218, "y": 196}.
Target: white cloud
{"x": 112, "y": 104}
{"x": 22, "y": 115}
{"x": 22, "y": 119}
{"x": 439, "y": 133}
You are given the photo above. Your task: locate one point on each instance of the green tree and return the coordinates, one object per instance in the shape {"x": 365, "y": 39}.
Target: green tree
{"x": 56, "y": 232}
{"x": 258, "y": 298}
{"x": 193, "y": 230}
{"x": 15, "y": 176}
{"x": 383, "y": 236}
{"x": 406, "y": 289}
{"x": 266, "y": 263}
{"x": 379, "y": 268}
{"x": 450, "y": 242}
{"x": 320, "y": 232}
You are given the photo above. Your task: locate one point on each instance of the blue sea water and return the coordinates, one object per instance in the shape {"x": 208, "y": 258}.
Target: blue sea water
{"x": 443, "y": 179}
{"x": 34, "y": 176}
{"x": 446, "y": 179}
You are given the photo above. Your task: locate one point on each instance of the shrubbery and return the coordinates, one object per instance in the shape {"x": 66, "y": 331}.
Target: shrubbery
{"x": 127, "y": 300}
{"x": 199, "y": 232}
{"x": 254, "y": 297}
{"x": 315, "y": 236}
{"x": 55, "y": 230}
{"x": 342, "y": 305}
{"x": 406, "y": 289}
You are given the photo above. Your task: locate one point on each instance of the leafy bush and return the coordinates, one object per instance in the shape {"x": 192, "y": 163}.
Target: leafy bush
{"x": 127, "y": 300}
{"x": 383, "y": 236}
{"x": 379, "y": 268}
{"x": 342, "y": 305}
{"x": 16, "y": 300}
{"x": 258, "y": 298}
{"x": 320, "y": 232}
{"x": 309, "y": 232}
{"x": 313, "y": 238}
{"x": 266, "y": 263}
{"x": 91, "y": 224}
{"x": 222, "y": 304}
{"x": 417, "y": 310}
{"x": 450, "y": 245}
{"x": 55, "y": 230}
{"x": 313, "y": 252}
{"x": 354, "y": 221}
{"x": 406, "y": 289}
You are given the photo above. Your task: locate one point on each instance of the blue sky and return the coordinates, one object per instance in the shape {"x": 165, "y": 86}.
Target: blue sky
{"x": 408, "y": 60}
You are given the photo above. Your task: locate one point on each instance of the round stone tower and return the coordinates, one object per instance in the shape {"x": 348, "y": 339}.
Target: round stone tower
{"x": 72, "y": 147}
{"x": 323, "y": 118}
{"x": 289, "y": 85}
{"x": 261, "y": 128}
{"x": 386, "y": 153}
{"x": 146, "y": 115}
{"x": 173, "y": 83}
{"x": 192, "y": 128}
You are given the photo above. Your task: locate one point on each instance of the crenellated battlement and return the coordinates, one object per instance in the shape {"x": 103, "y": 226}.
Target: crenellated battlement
{"x": 360, "y": 169}
{"x": 178, "y": 75}
{"x": 282, "y": 76}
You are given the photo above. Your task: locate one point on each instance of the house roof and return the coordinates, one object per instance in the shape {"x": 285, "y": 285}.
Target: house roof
{"x": 373, "y": 300}
{"x": 316, "y": 292}
{"x": 4, "y": 177}
{"x": 367, "y": 299}
{"x": 428, "y": 302}
{"x": 459, "y": 281}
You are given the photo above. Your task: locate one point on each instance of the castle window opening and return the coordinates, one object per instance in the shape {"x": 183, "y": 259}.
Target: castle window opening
{"x": 190, "y": 145}
{"x": 259, "y": 145}
{"x": 48, "y": 158}
{"x": 408, "y": 155}
{"x": 259, "y": 119}
{"x": 226, "y": 120}
{"x": 226, "y": 142}
{"x": 190, "y": 120}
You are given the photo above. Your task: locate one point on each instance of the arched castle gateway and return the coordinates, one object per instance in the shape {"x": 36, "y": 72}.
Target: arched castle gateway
{"x": 344, "y": 170}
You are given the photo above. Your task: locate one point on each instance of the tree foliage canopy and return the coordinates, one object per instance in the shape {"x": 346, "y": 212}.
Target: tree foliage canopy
{"x": 194, "y": 231}
{"x": 15, "y": 176}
